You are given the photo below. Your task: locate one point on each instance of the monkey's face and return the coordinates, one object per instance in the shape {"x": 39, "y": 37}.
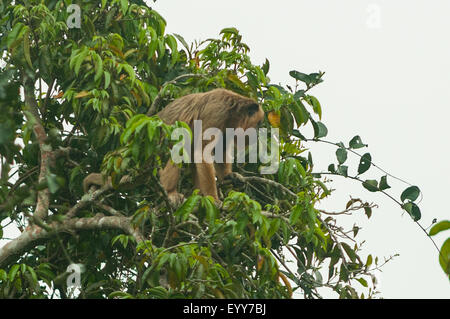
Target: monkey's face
{"x": 250, "y": 116}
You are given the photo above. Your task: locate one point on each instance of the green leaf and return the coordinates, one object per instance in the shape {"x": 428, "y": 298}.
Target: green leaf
{"x": 413, "y": 210}
{"x": 210, "y": 209}
{"x": 368, "y": 211}
{"x": 299, "y": 94}
{"x": 182, "y": 40}
{"x": 362, "y": 281}
{"x": 107, "y": 79}
{"x": 316, "y": 78}
{"x": 79, "y": 60}
{"x": 369, "y": 261}
{"x": 295, "y": 214}
{"x": 120, "y": 295}
{"x": 154, "y": 43}
{"x": 343, "y": 170}
{"x": 52, "y": 183}
{"x": 229, "y": 30}
{"x": 320, "y": 130}
{"x": 129, "y": 69}
{"x": 371, "y": 185}
{"x": 98, "y": 66}
{"x": 124, "y": 6}
{"x": 287, "y": 121}
{"x": 172, "y": 43}
{"x": 331, "y": 168}
{"x": 266, "y": 67}
{"x": 26, "y": 49}
{"x": 188, "y": 206}
{"x": 343, "y": 273}
{"x": 441, "y": 226}
{"x": 133, "y": 125}
{"x": 13, "y": 272}
{"x": 300, "y": 77}
{"x": 341, "y": 154}
{"x": 301, "y": 115}
{"x": 364, "y": 163}
{"x": 350, "y": 252}
{"x": 411, "y": 193}
{"x": 314, "y": 102}
{"x": 13, "y": 35}
{"x": 444, "y": 256}
{"x": 356, "y": 143}
{"x": 383, "y": 183}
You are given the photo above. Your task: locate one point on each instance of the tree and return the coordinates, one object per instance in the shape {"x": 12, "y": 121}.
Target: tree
{"x": 89, "y": 93}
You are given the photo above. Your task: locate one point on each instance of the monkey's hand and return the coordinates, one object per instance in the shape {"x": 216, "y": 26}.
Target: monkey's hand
{"x": 235, "y": 178}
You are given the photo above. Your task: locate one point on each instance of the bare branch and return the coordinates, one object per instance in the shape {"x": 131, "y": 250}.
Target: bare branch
{"x": 35, "y": 233}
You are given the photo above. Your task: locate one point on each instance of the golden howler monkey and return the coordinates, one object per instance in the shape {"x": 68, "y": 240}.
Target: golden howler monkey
{"x": 219, "y": 108}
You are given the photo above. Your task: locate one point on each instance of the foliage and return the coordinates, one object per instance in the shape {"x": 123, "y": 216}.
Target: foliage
{"x": 444, "y": 254}
{"x": 86, "y": 92}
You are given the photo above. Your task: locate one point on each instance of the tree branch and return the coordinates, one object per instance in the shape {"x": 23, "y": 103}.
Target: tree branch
{"x": 32, "y": 114}
{"x": 35, "y": 233}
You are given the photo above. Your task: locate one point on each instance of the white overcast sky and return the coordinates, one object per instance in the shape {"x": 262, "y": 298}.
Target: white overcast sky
{"x": 387, "y": 79}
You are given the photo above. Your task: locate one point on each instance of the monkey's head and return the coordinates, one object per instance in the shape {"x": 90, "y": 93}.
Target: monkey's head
{"x": 248, "y": 114}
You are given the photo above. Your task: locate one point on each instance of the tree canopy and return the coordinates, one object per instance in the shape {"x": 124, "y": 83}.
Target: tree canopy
{"x": 82, "y": 98}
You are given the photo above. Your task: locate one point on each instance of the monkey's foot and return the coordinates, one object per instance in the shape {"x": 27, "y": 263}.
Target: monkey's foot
{"x": 176, "y": 199}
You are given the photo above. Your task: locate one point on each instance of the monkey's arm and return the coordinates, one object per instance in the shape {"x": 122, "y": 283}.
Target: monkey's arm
{"x": 95, "y": 179}
{"x": 223, "y": 170}
{"x": 169, "y": 177}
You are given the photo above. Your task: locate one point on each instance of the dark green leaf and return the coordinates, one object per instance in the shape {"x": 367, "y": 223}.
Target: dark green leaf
{"x": 300, "y": 76}
{"x": 314, "y": 102}
{"x": 331, "y": 168}
{"x": 383, "y": 183}
{"x": 188, "y": 206}
{"x": 266, "y": 67}
{"x": 350, "y": 252}
{"x": 356, "y": 143}
{"x": 295, "y": 214}
{"x": 371, "y": 185}
{"x": 413, "y": 210}
{"x": 124, "y": 6}
{"x": 320, "y": 130}
{"x": 364, "y": 163}
{"x": 341, "y": 154}
{"x": 368, "y": 211}
{"x": 343, "y": 170}
{"x": 299, "y": 111}
{"x": 299, "y": 94}
{"x": 411, "y": 193}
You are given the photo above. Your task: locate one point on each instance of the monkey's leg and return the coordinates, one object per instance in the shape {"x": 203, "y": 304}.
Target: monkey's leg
{"x": 222, "y": 170}
{"x": 169, "y": 177}
{"x": 205, "y": 179}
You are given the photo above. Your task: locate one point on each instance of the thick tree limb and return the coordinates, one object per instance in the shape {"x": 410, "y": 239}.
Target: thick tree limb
{"x": 31, "y": 235}
{"x": 88, "y": 198}
{"x": 47, "y": 158}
